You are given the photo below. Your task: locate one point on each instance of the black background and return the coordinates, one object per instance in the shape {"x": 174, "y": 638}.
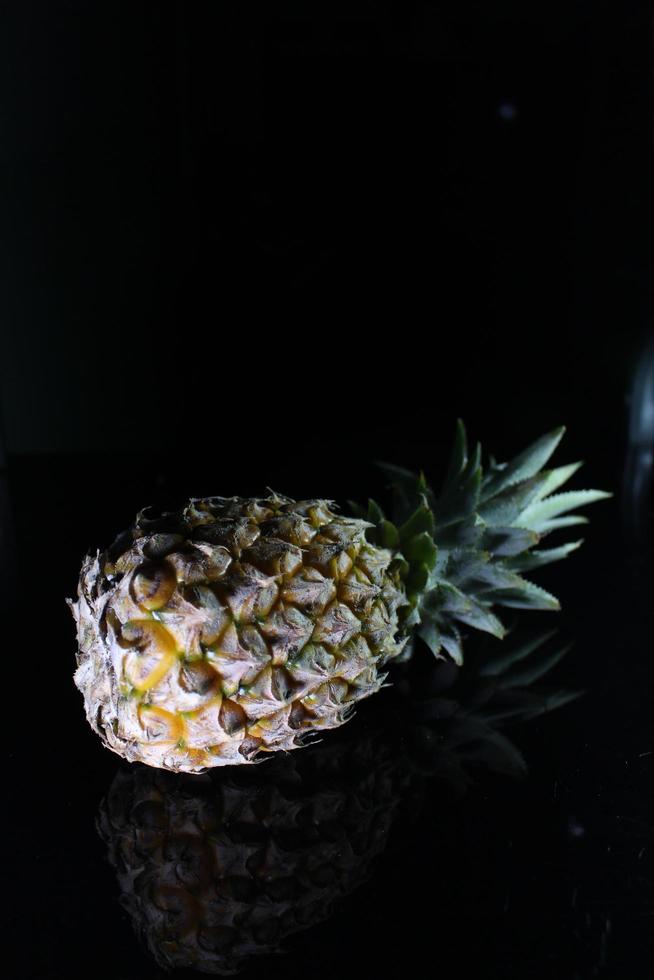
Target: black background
{"x": 263, "y": 246}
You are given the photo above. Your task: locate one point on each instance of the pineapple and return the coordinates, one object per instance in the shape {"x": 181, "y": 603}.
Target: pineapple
{"x": 216, "y": 870}
{"x": 237, "y": 627}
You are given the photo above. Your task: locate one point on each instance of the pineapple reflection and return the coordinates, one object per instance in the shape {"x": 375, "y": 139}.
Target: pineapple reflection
{"x": 217, "y": 869}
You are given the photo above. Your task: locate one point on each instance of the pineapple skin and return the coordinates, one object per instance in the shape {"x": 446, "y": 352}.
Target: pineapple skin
{"x": 235, "y": 627}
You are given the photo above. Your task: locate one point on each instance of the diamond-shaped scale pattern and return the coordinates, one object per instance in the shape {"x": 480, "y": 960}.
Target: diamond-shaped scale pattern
{"x": 234, "y": 628}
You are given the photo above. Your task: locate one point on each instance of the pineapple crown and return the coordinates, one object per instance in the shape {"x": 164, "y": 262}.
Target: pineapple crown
{"x": 462, "y": 552}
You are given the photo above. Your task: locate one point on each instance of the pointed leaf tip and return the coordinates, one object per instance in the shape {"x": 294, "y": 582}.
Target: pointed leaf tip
{"x": 540, "y": 514}
{"x": 526, "y": 465}
{"x": 458, "y": 455}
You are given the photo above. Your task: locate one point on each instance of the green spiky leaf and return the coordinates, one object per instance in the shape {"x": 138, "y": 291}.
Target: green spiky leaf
{"x": 508, "y": 506}
{"x": 421, "y": 548}
{"x": 541, "y": 512}
{"x": 451, "y": 640}
{"x": 430, "y": 634}
{"x": 375, "y": 514}
{"x": 524, "y": 595}
{"x": 388, "y": 535}
{"x": 421, "y": 520}
{"x": 464, "y": 548}
{"x": 459, "y": 500}
{"x": 544, "y": 556}
{"x": 468, "y": 610}
{"x": 502, "y": 542}
{"x": 527, "y": 464}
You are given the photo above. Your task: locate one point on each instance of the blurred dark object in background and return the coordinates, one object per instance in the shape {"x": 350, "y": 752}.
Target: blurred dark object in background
{"x": 637, "y": 491}
{"x": 7, "y": 555}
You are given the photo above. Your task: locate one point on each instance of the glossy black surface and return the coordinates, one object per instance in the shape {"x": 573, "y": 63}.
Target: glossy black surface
{"x": 253, "y": 250}
{"x": 550, "y": 876}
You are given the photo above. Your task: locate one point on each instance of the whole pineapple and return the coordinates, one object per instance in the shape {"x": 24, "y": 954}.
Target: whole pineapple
{"x": 219, "y": 869}
{"x": 242, "y": 626}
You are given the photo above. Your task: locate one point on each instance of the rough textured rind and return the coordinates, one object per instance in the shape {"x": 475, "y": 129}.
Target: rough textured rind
{"x": 236, "y": 627}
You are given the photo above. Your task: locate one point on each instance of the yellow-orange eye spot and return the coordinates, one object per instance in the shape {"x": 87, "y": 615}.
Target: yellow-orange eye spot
{"x": 143, "y": 633}
{"x": 152, "y": 655}
{"x": 153, "y": 584}
{"x": 160, "y": 725}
